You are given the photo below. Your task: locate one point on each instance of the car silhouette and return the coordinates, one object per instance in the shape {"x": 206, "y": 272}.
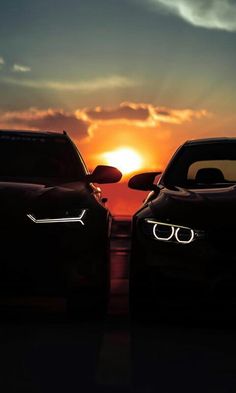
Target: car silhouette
{"x": 55, "y": 228}
{"x": 183, "y": 236}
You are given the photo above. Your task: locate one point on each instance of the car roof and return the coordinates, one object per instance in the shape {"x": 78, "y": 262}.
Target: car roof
{"x": 36, "y": 134}
{"x": 210, "y": 140}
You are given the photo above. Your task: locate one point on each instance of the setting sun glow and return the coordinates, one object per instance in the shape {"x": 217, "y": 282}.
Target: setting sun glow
{"x": 125, "y": 159}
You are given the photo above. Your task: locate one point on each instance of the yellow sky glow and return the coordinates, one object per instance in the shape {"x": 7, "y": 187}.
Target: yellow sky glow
{"x": 126, "y": 159}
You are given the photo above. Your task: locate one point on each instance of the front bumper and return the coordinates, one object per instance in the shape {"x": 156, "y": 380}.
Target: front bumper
{"x": 203, "y": 269}
{"x": 53, "y": 259}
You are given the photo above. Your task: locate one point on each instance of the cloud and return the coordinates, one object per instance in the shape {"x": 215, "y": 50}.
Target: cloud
{"x": 178, "y": 116}
{"x": 110, "y": 82}
{"x": 50, "y": 120}
{"x": 210, "y": 14}
{"x": 139, "y": 115}
{"x": 2, "y": 62}
{"x": 20, "y": 68}
{"x": 127, "y": 111}
{"x": 83, "y": 123}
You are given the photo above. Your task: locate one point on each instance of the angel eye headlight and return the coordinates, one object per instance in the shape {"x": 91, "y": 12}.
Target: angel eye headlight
{"x": 171, "y": 233}
{"x": 66, "y": 217}
{"x": 184, "y": 235}
{"x": 163, "y": 232}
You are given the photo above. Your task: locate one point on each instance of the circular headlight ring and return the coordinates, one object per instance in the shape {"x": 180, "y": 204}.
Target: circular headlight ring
{"x": 184, "y": 241}
{"x": 163, "y": 238}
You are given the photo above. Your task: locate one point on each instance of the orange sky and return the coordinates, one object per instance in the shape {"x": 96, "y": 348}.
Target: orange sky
{"x": 154, "y": 133}
{"x": 154, "y": 137}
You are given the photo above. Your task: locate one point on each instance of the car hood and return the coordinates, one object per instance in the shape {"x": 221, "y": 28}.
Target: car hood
{"x": 16, "y": 198}
{"x": 198, "y": 208}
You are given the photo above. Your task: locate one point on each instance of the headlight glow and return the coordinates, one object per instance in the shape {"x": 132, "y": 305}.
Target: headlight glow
{"x": 186, "y": 234}
{"x": 172, "y": 233}
{"x": 161, "y": 234}
{"x": 78, "y": 218}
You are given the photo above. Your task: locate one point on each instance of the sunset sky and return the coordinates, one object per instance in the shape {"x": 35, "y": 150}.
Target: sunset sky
{"x": 120, "y": 74}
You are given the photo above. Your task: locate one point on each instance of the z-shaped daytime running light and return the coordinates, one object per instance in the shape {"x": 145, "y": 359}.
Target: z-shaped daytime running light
{"x": 58, "y": 220}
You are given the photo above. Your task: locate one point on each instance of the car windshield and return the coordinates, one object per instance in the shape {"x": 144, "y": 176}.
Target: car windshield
{"x": 35, "y": 157}
{"x": 203, "y": 166}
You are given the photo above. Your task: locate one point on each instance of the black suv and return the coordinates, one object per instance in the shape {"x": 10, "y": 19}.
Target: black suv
{"x": 55, "y": 228}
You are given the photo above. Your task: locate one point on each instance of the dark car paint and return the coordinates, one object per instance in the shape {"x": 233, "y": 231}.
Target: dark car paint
{"x": 207, "y": 265}
{"x": 53, "y": 259}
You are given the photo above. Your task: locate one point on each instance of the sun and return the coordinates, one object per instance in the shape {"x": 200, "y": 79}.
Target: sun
{"x": 127, "y": 160}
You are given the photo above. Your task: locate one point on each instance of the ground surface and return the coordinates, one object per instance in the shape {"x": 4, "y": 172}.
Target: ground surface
{"x": 40, "y": 351}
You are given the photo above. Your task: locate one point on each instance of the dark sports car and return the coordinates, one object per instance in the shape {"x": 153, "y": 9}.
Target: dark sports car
{"x": 54, "y": 226}
{"x": 183, "y": 237}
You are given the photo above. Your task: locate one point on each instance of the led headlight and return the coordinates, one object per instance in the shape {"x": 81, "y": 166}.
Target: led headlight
{"x": 75, "y": 216}
{"x": 170, "y": 232}
{"x": 163, "y": 232}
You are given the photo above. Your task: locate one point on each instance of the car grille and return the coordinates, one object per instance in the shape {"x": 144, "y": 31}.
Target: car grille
{"x": 223, "y": 239}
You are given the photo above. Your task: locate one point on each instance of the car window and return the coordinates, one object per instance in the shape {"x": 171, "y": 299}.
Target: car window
{"x": 39, "y": 157}
{"x": 202, "y": 165}
{"x": 227, "y": 168}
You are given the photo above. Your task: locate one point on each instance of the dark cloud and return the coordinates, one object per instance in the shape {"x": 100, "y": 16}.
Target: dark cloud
{"x": 58, "y": 121}
{"x": 51, "y": 120}
{"x": 163, "y": 112}
{"x": 126, "y": 112}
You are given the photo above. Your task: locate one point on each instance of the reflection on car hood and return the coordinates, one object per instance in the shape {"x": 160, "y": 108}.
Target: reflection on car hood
{"x": 201, "y": 207}
{"x": 16, "y": 198}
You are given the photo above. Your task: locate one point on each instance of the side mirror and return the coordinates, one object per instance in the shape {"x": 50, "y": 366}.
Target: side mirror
{"x": 143, "y": 181}
{"x": 103, "y": 174}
